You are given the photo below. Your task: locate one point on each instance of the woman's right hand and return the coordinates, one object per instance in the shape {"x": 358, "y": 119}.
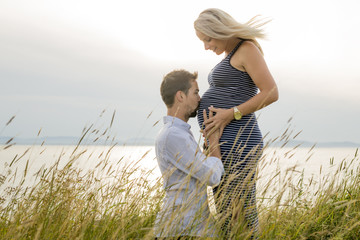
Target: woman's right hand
{"x": 213, "y": 135}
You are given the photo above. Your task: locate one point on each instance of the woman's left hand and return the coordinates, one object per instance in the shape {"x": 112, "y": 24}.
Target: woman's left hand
{"x": 222, "y": 118}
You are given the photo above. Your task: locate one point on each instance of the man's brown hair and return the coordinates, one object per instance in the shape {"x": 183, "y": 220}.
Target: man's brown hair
{"x": 177, "y": 80}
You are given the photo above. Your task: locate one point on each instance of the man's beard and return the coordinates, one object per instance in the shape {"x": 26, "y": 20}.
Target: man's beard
{"x": 194, "y": 113}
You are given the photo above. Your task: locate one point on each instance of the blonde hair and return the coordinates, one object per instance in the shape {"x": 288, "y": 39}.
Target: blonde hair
{"x": 218, "y": 24}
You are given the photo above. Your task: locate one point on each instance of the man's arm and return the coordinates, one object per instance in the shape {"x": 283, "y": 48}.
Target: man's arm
{"x": 185, "y": 155}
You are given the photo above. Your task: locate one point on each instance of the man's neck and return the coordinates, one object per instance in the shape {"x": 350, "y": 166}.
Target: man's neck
{"x": 174, "y": 112}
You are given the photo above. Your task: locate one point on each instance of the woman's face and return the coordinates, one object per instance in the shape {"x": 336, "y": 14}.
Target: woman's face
{"x": 215, "y": 45}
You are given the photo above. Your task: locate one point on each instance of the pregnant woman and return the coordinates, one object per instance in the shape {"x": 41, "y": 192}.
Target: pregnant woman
{"x": 239, "y": 85}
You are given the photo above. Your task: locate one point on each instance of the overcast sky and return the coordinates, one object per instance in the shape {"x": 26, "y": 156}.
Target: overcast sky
{"x": 63, "y": 62}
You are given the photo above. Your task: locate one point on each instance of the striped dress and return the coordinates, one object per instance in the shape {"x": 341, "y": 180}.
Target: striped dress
{"x": 241, "y": 145}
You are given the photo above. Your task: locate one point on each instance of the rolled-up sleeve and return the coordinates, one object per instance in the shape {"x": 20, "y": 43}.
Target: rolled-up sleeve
{"x": 185, "y": 155}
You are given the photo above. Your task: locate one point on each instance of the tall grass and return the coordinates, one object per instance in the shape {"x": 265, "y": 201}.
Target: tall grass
{"x": 119, "y": 200}
{"x": 110, "y": 200}
{"x": 322, "y": 207}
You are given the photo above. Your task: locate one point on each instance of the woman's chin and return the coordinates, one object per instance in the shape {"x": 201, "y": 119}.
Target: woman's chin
{"x": 218, "y": 53}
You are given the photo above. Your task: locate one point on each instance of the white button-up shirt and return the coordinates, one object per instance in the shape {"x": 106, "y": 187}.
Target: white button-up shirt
{"x": 186, "y": 174}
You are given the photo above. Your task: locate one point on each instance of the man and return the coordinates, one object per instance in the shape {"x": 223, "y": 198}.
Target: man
{"x": 186, "y": 170}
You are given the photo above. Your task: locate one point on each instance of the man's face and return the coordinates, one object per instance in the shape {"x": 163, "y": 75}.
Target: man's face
{"x": 192, "y": 100}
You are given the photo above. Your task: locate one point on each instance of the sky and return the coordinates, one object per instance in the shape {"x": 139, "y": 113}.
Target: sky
{"x": 63, "y": 63}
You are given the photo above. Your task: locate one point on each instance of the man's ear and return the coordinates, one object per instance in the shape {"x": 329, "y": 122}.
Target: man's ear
{"x": 179, "y": 96}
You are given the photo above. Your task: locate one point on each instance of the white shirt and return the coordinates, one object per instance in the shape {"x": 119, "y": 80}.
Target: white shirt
{"x": 186, "y": 173}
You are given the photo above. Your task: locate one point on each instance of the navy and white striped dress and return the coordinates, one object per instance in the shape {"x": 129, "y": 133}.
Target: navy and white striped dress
{"x": 241, "y": 143}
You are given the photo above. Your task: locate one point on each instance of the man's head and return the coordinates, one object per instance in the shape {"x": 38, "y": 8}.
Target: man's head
{"x": 180, "y": 92}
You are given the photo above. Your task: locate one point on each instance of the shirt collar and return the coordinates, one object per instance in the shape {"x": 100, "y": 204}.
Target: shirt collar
{"x": 176, "y": 122}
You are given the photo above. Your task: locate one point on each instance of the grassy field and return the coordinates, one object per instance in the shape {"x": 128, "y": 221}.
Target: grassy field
{"x": 70, "y": 203}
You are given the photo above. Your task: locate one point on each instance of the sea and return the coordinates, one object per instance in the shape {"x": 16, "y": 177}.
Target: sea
{"x": 297, "y": 169}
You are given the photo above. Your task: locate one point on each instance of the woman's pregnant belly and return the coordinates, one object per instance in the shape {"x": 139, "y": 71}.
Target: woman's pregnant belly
{"x": 246, "y": 128}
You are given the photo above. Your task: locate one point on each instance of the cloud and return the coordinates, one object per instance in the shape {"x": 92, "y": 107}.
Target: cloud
{"x": 60, "y": 67}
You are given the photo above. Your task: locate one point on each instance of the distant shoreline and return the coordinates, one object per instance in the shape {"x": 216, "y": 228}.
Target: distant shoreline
{"x": 151, "y": 142}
